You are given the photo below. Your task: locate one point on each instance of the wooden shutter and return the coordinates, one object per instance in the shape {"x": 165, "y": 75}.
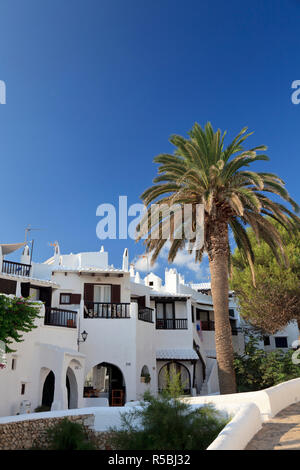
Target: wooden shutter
{"x": 75, "y": 299}
{"x": 116, "y": 293}
{"x": 89, "y": 292}
{"x": 8, "y": 287}
{"x": 142, "y": 301}
{"x": 46, "y": 295}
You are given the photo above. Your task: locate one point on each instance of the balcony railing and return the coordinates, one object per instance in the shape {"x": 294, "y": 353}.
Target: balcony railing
{"x": 19, "y": 269}
{"x": 106, "y": 310}
{"x": 60, "y": 317}
{"x": 207, "y": 325}
{"x": 146, "y": 314}
{"x": 210, "y": 326}
{"x": 171, "y": 324}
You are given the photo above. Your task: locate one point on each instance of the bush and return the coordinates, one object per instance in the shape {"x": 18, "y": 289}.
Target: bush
{"x": 257, "y": 369}
{"x": 41, "y": 408}
{"x": 167, "y": 424}
{"x": 67, "y": 435}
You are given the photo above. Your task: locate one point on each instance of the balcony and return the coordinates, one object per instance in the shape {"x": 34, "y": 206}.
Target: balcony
{"x": 60, "y": 317}
{"x": 210, "y": 326}
{"x": 106, "y": 310}
{"x": 171, "y": 324}
{"x": 17, "y": 269}
{"x": 146, "y": 314}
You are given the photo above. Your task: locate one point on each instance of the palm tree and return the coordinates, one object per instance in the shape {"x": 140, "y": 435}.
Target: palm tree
{"x": 203, "y": 171}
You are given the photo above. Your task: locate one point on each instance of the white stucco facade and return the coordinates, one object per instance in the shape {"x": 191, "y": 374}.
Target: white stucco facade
{"x": 137, "y": 331}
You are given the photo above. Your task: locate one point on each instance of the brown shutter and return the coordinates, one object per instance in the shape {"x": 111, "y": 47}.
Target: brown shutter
{"x": 46, "y": 295}
{"x": 8, "y": 287}
{"x": 89, "y": 292}
{"x": 75, "y": 299}
{"x": 142, "y": 301}
{"x": 116, "y": 293}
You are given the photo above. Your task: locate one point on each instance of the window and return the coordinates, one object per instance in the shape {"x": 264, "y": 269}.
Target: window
{"x": 150, "y": 283}
{"x": 23, "y": 386}
{"x": 102, "y": 293}
{"x": 231, "y": 312}
{"x": 13, "y": 363}
{"x": 281, "y": 342}
{"x": 266, "y": 340}
{"x": 165, "y": 313}
{"x": 34, "y": 293}
{"x": 65, "y": 299}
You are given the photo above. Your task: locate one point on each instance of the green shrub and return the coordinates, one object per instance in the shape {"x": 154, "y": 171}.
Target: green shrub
{"x": 174, "y": 386}
{"x": 164, "y": 424}
{"x": 257, "y": 369}
{"x": 41, "y": 408}
{"x": 67, "y": 435}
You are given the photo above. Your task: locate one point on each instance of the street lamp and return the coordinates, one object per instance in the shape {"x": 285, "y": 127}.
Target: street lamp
{"x": 84, "y": 336}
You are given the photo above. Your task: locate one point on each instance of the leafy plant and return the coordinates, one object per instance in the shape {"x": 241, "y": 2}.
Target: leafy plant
{"x": 164, "y": 424}
{"x": 257, "y": 369}
{"x": 67, "y": 435}
{"x": 17, "y": 316}
{"x": 42, "y": 408}
{"x": 174, "y": 386}
{"x": 275, "y": 300}
{"x": 147, "y": 378}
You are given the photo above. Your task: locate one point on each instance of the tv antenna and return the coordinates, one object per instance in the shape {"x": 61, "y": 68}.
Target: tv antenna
{"x": 29, "y": 229}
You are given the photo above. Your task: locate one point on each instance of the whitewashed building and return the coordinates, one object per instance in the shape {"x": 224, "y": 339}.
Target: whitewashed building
{"x": 105, "y": 335}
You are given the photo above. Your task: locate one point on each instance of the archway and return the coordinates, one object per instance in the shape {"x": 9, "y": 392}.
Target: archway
{"x": 169, "y": 371}
{"x": 48, "y": 390}
{"x": 106, "y": 380}
{"x": 72, "y": 389}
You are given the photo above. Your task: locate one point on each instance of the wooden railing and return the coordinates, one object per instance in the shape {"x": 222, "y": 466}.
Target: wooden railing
{"x": 19, "y": 269}
{"x": 60, "y": 317}
{"x": 106, "y": 310}
{"x": 171, "y": 324}
{"x": 146, "y": 314}
{"x": 207, "y": 325}
{"x": 210, "y": 326}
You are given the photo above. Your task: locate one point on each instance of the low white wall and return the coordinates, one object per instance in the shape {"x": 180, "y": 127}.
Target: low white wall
{"x": 243, "y": 426}
{"x": 247, "y": 412}
{"x": 95, "y": 402}
{"x": 269, "y": 401}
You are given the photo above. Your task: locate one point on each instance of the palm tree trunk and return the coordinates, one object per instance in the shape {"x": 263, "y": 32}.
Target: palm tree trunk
{"x": 218, "y": 251}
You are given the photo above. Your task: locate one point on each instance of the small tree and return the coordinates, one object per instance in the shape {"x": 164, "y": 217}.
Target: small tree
{"x": 275, "y": 300}
{"x": 17, "y": 316}
{"x": 174, "y": 386}
{"x": 257, "y": 369}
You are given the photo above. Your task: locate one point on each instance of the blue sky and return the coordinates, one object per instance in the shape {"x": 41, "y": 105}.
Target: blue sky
{"x": 96, "y": 87}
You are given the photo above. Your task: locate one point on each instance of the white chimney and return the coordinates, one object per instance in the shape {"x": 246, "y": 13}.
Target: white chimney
{"x": 125, "y": 260}
{"x": 25, "y": 256}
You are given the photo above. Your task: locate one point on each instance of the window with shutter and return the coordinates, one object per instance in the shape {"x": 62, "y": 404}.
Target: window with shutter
{"x": 116, "y": 293}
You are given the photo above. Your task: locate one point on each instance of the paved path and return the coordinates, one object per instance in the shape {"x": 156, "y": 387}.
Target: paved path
{"x": 280, "y": 433}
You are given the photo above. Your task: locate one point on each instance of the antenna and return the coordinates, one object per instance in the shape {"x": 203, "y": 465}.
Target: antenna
{"x": 29, "y": 229}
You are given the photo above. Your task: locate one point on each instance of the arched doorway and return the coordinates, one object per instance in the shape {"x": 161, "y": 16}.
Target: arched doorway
{"x": 48, "y": 390}
{"x": 106, "y": 380}
{"x": 169, "y": 371}
{"x": 72, "y": 389}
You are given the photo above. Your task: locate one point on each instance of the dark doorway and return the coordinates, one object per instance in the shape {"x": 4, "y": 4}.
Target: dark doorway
{"x": 48, "y": 390}
{"x": 107, "y": 381}
{"x": 68, "y": 390}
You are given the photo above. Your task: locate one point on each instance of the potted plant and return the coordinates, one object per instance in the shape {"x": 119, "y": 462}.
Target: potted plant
{"x": 146, "y": 378}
